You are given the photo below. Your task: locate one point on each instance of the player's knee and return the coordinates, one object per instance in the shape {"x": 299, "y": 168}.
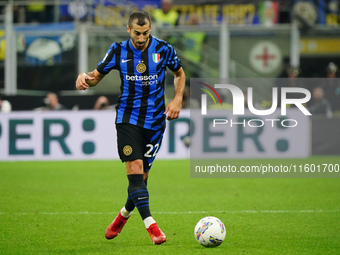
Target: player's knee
{"x": 134, "y": 167}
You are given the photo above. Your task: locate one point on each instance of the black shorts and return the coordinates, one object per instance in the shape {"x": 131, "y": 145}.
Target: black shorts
{"x": 138, "y": 143}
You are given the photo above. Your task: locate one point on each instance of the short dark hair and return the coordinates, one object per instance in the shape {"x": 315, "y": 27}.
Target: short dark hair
{"x": 141, "y": 17}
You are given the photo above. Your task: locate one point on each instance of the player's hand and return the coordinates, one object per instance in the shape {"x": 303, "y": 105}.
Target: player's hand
{"x": 173, "y": 109}
{"x": 81, "y": 83}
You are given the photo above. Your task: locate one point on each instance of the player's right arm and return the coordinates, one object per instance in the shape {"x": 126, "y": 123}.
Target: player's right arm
{"x": 90, "y": 79}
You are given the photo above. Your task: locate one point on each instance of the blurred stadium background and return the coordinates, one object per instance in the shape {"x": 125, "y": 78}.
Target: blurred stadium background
{"x": 51, "y": 41}
{"x": 45, "y": 44}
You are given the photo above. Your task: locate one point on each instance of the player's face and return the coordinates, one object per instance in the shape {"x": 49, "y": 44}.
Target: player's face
{"x": 139, "y": 35}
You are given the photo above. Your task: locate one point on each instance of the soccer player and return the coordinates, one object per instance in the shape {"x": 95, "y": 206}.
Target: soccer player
{"x": 141, "y": 113}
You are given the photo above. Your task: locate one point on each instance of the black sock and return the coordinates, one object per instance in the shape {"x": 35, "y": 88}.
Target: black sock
{"x": 139, "y": 194}
{"x": 129, "y": 205}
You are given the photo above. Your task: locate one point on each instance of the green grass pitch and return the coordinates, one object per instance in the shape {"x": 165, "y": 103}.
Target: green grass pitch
{"x": 65, "y": 207}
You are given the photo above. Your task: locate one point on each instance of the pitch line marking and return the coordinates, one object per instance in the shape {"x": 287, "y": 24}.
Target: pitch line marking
{"x": 187, "y": 212}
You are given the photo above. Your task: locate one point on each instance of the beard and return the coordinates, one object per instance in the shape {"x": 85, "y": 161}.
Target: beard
{"x": 140, "y": 45}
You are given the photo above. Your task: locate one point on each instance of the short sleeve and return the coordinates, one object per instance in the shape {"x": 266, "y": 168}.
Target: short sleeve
{"x": 109, "y": 61}
{"x": 173, "y": 62}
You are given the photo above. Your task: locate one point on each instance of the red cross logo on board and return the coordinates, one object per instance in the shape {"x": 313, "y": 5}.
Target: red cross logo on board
{"x": 265, "y": 56}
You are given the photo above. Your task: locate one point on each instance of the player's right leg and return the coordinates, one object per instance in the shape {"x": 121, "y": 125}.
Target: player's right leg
{"x": 124, "y": 214}
{"x": 129, "y": 144}
{"x": 131, "y": 148}
{"x": 117, "y": 224}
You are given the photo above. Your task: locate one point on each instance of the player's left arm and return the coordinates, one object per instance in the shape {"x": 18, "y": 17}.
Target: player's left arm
{"x": 174, "y": 107}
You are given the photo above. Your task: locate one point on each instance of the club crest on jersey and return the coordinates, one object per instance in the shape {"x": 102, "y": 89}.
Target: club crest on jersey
{"x": 156, "y": 57}
{"x": 141, "y": 67}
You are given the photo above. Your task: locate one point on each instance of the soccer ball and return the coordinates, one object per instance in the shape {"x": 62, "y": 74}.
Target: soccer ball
{"x": 210, "y": 231}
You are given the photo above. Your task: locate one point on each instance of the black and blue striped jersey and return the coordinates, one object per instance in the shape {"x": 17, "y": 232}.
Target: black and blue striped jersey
{"x": 142, "y": 76}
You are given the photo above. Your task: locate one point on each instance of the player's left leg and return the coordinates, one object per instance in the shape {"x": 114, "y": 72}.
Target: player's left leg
{"x": 153, "y": 140}
{"x": 139, "y": 195}
{"x": 137, "y": 172}
{"x": 129, "y": 205}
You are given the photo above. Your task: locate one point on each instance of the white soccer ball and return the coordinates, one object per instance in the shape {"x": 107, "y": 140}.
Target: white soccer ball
{"x": 210, "y": 231}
